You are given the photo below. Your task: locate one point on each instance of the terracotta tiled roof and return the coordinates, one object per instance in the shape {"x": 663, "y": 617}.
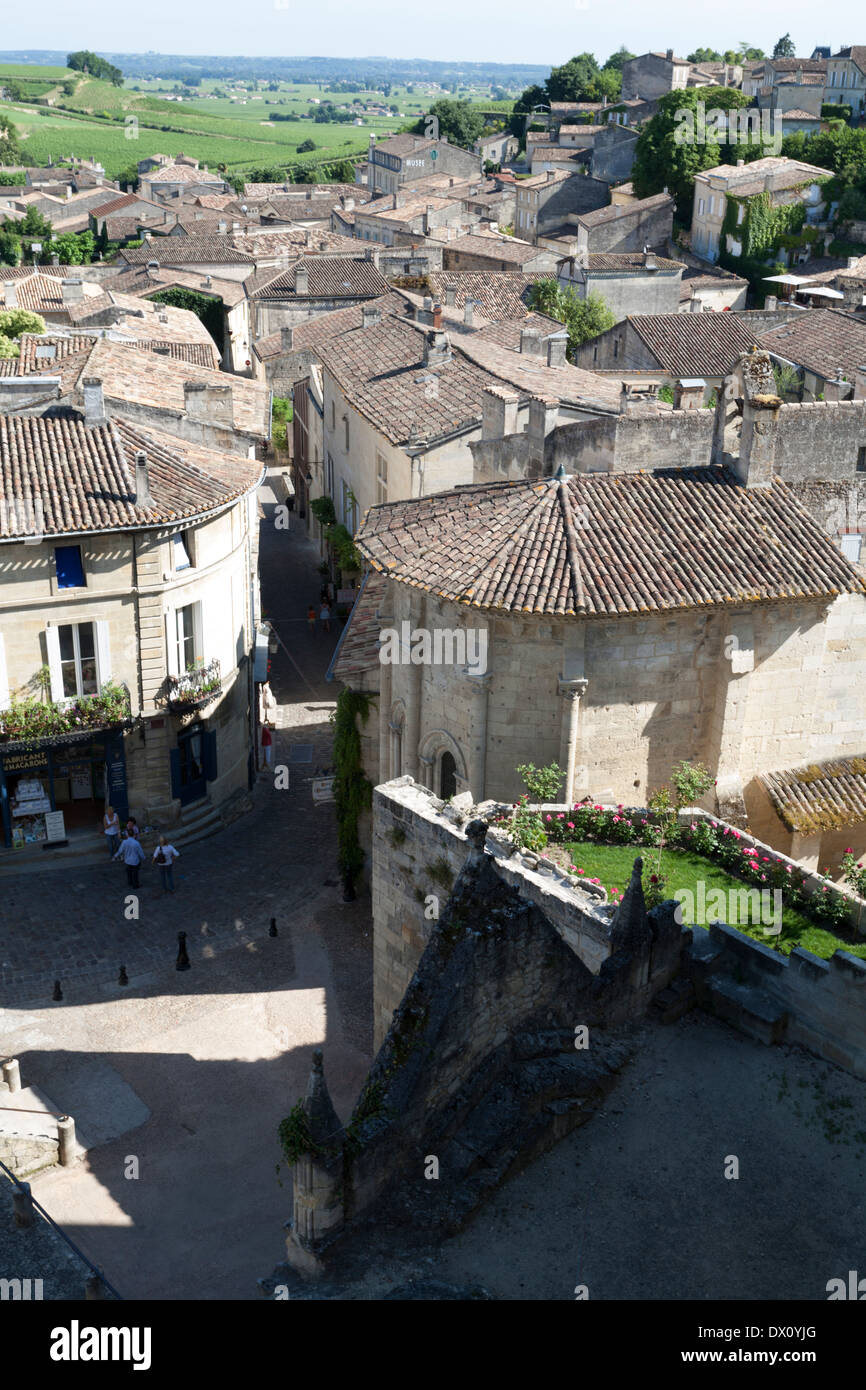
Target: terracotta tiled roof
{"x": 316, "y": 331}
{"x": 497, "y": 249}
{"x": 402, "y": 145}
{"x": 84, "y": 477}
{"x": 694, "y": 344}
{"x": 139, "y": 282}
{"x": 500, "y": 294}
{"x": 181, "y": 250}
{"x": 627, "y": 261}
{"x": 608, "y": 545}
{"x": 747, "y": 180}
{"x": 261, "y": 191}
{"x": 533, "y": 377}
{"x": 42, "y": 294}
{"x": 795, "y": 115}
{"x": 328, "y": 277}
{"x": 821, "y": 340}
{"x": 358, "y": 648}
{"x": 824, "y": 796}
{"x": 507, "y": 332}
{"x": 180, "y": 173}
{"x": 856, "y": 53}
{"x": 126, "y": 200}
{"x": 600, "y": 216}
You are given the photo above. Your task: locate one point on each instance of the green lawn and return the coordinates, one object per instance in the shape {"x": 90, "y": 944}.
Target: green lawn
{"x": 683, "y": 869}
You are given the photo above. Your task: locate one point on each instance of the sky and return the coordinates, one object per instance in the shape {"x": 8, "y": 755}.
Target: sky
{"x": 491, "y": 30}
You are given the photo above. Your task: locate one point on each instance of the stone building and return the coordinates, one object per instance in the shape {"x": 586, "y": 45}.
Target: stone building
{"x": 846, "y": 78}
{"x": 629, "y": 283}
{"x": 553, "y": 199}
{"x": 632, "y": 227}
{"x": 489, "y": 252}
{"x": 313, "y": 285}
{"x": 663, "y": 616}
{"x": 129, "y": 559}
{"x": 677, "y": 345}
{"x": 653, "y": 75}
{"x": 784, "y": 180}
{"x": 403, "y": 159}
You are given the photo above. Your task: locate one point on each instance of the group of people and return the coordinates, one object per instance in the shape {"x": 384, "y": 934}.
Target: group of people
{"x": 324, "y": 615}
{"x": 130, "y": 850}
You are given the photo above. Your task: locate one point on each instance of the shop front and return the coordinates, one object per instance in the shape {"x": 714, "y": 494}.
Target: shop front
{"x": 75, "y": 774}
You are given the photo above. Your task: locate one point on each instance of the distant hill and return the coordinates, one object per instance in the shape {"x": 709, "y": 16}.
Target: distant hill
{"x": 312, "y": 69}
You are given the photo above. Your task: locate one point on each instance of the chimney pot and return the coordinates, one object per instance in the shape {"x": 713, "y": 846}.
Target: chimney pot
{"x": 143, "y": 496}
{"x": 450, "y": 295}
{"x": 286, "y": 338}
{"x": 530, "y": 342}
{"x": 72, "y": 291}
{"x": 302, "y": 279}
{"x": 469, "y": 313}
{"x": 11, "y": 294}
{"x": 94, "y": 401}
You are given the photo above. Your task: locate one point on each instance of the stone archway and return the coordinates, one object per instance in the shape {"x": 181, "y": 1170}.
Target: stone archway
{"x": 433, "y": 749}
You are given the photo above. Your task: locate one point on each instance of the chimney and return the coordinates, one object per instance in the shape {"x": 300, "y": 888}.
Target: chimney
{"x": 498, "y": 412}
{"x": 94, "y": 401}
{"x": 543, "y": 414}
{"x": 838, "y": 389}
{"x": 437, "y": 316}
{"x": 670, "y": 55}
{"x": 852, "y": 262}
{"x": 67, "y": 193}
{"x": 72, "y": 291}
{"x": 437, "y": 348}
{"x": 469, "y": 313}
{"x": 370, "y": 315}
{"x": 530, "y": 342}
{"x": 152, "y": 267}
{"x": 557, "y": 346}
{"x": 222, "y": 226}
{"x": 286, "y": 338}
{"x": 755, "y": 465}
{"x": 207, "y": 403}
{"x": 771, "y": 303}
{"x": 143, "y": 496}
{"x": 147, "y": 236}
{"x": 55, "y": 260}
{"x": 11, "y": 294}
{"x": 768, "y": 183}
{"x": 860, "y": 383}
{"x": 551, "y": 174}
{"x": 302, "y": 279}
{"x": 689, "y": 393}
{"x": 450, "y": 295}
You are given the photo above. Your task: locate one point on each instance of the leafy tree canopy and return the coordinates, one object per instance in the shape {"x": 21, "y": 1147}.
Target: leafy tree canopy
{"x": 584, "y": 318}
{"x": 705, "y": 55}
{"x": 10, "y": 148}
{"x": 85, "y": 61}
{"x": 14, "y": 322}
{"x": 666, "y": 158}
{"x": 784, "y": 47}
{"x": 459, "y": 121}
{"x": 616, "y": 60}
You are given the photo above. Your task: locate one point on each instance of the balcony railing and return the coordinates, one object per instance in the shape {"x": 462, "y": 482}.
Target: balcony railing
{"x": 195, "y": 687}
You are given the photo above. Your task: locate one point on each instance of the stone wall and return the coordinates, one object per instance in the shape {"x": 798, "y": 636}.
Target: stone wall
{"x": 820, "y": 1004}
{"x": 637, "y": 227}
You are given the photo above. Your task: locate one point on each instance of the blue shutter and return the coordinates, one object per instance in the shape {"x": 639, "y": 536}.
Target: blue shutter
{"x": 70, "y": 570}
{"x": 209, "y": 754}
{"x": 174, "y": 767}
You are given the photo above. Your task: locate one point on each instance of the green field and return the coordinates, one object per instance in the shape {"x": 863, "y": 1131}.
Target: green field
{"x": 233, "y": 130}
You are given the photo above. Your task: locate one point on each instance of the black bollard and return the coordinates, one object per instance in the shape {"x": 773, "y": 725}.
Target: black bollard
{"x": 182, "y": 962}
{"x": 272, "y": 929}
{"x": 123, "y": 978}
{"x": 58, "y": 992}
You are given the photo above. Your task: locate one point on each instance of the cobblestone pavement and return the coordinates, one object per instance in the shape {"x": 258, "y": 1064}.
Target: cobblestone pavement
{"x": 191, "y": 1072}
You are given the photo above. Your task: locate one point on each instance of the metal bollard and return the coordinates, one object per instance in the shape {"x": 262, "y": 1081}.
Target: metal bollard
{"x": 182, "y": 962}
{"x": 12, "y": 1074}
{"x": 22, "y": 1205}
{"x": 66, "y": 1151}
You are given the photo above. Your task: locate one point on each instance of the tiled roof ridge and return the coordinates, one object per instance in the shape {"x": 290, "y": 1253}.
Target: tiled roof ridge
{"x": 571, "y": 546}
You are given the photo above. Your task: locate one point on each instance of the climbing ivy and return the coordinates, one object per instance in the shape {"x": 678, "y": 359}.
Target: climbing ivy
{"x": 353, "y": 791}
{"x": 765, "y": 229}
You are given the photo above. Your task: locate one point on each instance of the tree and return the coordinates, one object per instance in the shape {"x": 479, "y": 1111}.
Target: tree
{"x": 85, "y": 61}
{"x": 572, "y": 81}
{"x": 10, "y": 149}
{"x": 526, "y": 102}
{"x": 459, "y": 121}
{"x": 306, "y": 146}
{"x": 584, "y": 318}
{"x": 668, "y": 155}
{"x": 751, "y": 54}
{"x": 616, "y": 60}
{"x": 10, "y": 247}
{"x": 14, "y": 322}
{"x": 34, "y": 226}
{"x": 784, "y": 48}
{"x": 704, "y": 55}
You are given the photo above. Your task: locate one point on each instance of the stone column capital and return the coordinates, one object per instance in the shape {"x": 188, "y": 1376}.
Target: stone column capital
{"x": 571, "y": 689}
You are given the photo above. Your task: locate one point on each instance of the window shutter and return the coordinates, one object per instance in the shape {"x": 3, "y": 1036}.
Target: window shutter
{"x": 174, "y": 769}
{"x": 171, "y": 642}
{"x": 52, "y": 644}
{"x": 209, "y": 754}
{"x": 198, "y": 629}
{"x": 103, "y": 653}
{"x": 4, "y": 679}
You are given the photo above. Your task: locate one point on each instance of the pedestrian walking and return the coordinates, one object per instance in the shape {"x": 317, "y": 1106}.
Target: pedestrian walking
{"x": 325, "y": 615}
{"x": 267, "y": 744}
{"x": 311, "y": 618}
{"x": 163, "y": 857}
{"x": 133, "y": 857}
{"x": 111, "y": 827}
{"x": 132, "y": 830}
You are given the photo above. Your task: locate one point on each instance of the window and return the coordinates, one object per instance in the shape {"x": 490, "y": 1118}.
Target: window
{"x": 181, "y": 553}
{"x": 616, "y": 348}
{"x": 851, "y": 547}
{"x": 381, "y": 478}
{"x": 350, "y": 508}
{"x": 188, "y": 636}
{"x": 333, "y": 416}
{"x": 70, "y": 569}
{"x": 741, "y": 212}
{"x": 78, "y": 659}
{"x": 861, "y": 460}
{"x": 447, "y": 776}
{"x": 346, "y": 432}
{"x": 700, "y": 207}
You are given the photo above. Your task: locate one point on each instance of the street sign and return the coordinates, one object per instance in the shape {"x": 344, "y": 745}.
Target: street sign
{"x": 323, "y": 789}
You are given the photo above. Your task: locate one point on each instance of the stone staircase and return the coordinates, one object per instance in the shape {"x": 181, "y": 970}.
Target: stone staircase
{"x": 731, "y": 996}
{"x": 548, "y": 1089}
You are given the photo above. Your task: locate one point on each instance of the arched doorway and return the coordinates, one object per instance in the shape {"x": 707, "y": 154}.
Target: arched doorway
{"x": 447, "y": 776}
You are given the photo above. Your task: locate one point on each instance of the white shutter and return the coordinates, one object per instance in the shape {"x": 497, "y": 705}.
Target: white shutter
{"x": 103, "y": 653}
{"x": 4, "y": 680}
{"x": 52, "y": 644}
{"x": 198, "y": 629}
{"x": 171, "y": 642}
